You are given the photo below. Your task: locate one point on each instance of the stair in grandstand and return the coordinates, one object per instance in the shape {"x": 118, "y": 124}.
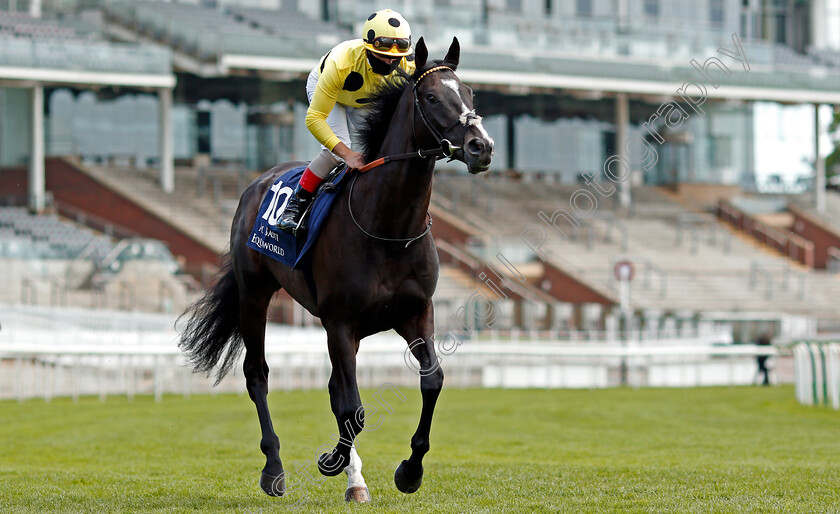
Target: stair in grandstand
{"x": 197, "y": 214}
{"x": 831, "y": 215}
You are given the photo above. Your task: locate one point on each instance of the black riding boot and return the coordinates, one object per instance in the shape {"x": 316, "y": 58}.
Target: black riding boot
{"x": 298, "y": 202}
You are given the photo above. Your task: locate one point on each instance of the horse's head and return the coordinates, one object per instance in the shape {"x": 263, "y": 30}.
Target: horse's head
{"x": 445, "y": 104}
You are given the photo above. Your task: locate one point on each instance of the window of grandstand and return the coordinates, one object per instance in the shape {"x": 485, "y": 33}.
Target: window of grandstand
{"x": 584, "y": 8}
{"x": 652, "y": 8}
{"x": 721, "y": 151}
{"x": 716, "y": 12}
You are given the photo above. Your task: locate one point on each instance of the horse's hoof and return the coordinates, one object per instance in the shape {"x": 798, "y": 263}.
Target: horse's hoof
{"x": 404, "y": 481}
{"x": 273, "y": 485}
{"x": 327, "y": 464}
{"x": 357, "y": 495}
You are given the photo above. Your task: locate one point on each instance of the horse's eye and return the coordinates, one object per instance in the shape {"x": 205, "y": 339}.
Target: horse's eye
{"x": 432, "y": 99}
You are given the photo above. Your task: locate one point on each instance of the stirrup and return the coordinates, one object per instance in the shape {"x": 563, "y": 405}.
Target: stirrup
{"x": 329, "y": 182}
{"x": 300, "y": 227}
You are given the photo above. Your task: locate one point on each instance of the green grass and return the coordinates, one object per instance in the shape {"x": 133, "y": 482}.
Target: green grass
{"x": 617, "y": 450}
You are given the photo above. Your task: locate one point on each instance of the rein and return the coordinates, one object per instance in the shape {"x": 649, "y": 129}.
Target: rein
{"x": 407, "y": 240}
{"x": 423, "y": 154}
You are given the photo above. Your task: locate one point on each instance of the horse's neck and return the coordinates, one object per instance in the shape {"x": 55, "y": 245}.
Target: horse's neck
{"x": 396, "y": 195}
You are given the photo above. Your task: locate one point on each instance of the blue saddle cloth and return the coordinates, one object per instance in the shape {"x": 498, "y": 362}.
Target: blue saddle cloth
{"x": 283, "y": 246}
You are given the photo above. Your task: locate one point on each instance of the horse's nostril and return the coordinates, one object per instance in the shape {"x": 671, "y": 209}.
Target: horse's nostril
{"x": 476, "y": 146}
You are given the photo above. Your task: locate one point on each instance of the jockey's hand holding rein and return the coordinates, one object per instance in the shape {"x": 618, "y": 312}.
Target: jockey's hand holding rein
{"x": 354, "y": 160}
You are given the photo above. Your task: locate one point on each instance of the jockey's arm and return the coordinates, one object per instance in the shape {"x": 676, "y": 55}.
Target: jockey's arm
{"x": 322, "y": 103}
{"x": 353, "y": 159}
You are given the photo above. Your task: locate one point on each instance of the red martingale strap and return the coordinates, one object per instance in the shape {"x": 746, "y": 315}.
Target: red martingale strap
{"x": 372, "y": 164}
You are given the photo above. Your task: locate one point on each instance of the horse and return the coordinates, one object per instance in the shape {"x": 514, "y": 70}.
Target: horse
{"x": 371, "y": 271}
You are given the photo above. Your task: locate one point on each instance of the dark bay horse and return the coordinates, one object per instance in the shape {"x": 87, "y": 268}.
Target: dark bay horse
{"x": 358, "y": 285}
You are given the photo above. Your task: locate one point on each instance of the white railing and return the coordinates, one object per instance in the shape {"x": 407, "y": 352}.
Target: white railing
{"x": 817, "y": 367}
{"x": 51, "y": 369}
{"x": 49, "y": 352}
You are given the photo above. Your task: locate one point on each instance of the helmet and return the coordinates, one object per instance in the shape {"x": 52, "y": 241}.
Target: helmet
{"x": 386, "y": 32}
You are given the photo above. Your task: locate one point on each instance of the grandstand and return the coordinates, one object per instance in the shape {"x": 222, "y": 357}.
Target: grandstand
{"x": 24, "y": 236}
{"x": 21, "y": 25}
{"x": 685, "y": 260}
{"x": 217, "y": 92}
{"x": 52, "y": 261}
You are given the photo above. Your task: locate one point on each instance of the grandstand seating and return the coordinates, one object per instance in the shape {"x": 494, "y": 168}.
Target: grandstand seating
{"x": 21, "y": 25}
{"x": 785, "y": 57}
{"x": 685, "y": 260}
{"x": 678, "y": 263}
{"x": 830, "y": 58}
{"x": 206, "y": 33}
{"x": 288, "y": 23}
{"x": 45, "y": 259}
{"x": 26, "y": 236}
{"x": 72, "y": 44}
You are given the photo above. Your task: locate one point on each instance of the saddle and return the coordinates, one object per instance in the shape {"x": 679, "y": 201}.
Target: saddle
{"x": 284, "y": 247}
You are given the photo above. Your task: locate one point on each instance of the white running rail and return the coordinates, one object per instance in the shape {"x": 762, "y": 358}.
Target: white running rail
{"x": 817, "y": 367}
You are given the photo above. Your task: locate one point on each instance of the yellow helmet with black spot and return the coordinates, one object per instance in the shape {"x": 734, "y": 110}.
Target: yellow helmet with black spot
{"x": 386, "y": 32}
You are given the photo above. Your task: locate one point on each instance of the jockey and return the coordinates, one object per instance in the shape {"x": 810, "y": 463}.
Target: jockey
{"x": 343, "y": 81}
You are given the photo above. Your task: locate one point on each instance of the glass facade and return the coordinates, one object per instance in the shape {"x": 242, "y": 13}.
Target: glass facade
{"x": 15, "y": 137}
{"x": 749, "y": 144}
{"x": 631, "y": 40}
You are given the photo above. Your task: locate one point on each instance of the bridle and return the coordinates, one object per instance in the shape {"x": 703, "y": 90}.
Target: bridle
{"x": 445, "y": 149}
{"x": 445, "y": 146}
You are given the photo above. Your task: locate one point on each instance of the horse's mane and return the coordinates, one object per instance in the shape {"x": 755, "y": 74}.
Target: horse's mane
{"x": 378, "y": 113}
{"x": 380, "y": 108}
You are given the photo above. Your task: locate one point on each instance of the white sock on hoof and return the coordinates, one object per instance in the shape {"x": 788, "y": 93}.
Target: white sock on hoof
{"x": 354, "y": 471}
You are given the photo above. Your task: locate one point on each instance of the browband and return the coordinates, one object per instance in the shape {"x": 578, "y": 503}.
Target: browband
{"x": 430, "y": 70}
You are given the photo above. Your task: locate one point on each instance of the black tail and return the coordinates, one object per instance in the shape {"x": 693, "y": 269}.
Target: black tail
{"x": 211, "y": 336}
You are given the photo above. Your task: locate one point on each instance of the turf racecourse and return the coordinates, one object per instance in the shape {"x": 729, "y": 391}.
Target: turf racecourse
{"x": 648, "y": 450}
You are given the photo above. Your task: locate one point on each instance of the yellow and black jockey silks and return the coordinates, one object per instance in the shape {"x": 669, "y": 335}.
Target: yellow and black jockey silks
{"x": 344, "y": 76}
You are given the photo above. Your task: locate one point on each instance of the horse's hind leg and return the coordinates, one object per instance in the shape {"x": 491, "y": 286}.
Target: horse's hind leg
{"x": 418, "y": 334}
{"x": 254, "y": 298}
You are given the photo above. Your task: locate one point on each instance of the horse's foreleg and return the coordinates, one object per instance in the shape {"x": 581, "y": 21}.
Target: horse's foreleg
{"x": 252, "y": 313}
{"x": 344, "y": 399}
{"x": 357, "y": 490}
{"x": 418, "y": 333}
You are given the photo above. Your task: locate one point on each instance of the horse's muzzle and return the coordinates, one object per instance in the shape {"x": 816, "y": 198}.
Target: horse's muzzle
{"x": 478, "y": 152}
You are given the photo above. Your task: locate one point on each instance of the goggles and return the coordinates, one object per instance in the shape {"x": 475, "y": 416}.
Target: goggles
{"x": 385, "y": 44}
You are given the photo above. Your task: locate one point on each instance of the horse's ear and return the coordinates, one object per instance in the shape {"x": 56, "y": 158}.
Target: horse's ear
{"x": 421, "y": 54}
{"x": 454, "y": 54}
